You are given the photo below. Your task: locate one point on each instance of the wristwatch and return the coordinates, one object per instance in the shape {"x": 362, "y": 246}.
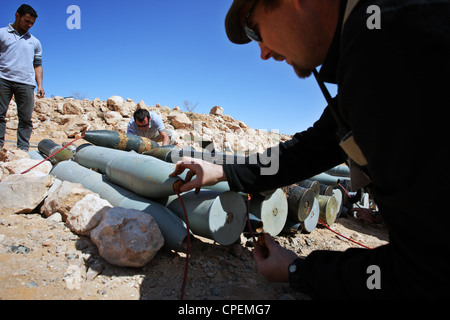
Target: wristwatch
{"x": 294, "y": 273}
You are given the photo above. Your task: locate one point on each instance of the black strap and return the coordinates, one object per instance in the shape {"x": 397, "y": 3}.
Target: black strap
{"x": 343, "y": 127}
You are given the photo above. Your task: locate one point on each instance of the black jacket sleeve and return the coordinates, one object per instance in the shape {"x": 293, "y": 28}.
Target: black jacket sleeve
{"x": 309, "y": 153}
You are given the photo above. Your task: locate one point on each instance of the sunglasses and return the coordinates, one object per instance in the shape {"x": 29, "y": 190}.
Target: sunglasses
{"x": 144, "y": 125}
{"x": 251, "y": 34}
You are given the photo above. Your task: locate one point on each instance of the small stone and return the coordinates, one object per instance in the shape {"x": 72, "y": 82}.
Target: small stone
{"x": 56, "y": 217}
{"x": 94, "y": 270}
{"x": 32, "y": 284}
{"x": 19, "y": 249}
{"x": 47, "y": 243}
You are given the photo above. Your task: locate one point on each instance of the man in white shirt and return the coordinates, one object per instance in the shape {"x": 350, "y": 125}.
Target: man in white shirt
{"x": 20, "y": 70}
{"x": 150, "y": 125}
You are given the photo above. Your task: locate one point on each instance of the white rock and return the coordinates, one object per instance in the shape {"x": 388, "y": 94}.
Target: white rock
{"x": 216, "y": 111}
{"x": 64, "y": 198}
{"x": 112, "y": 117}
{"x": 72, "y": 107}
{"x": 127, "y": 238}
{"x": 86, "y": 214}
{"x": 179, "y": 120}
{"x": 114, "y": 101}
{"x": 23, "y": 193}
{"x": 21, "y": 165}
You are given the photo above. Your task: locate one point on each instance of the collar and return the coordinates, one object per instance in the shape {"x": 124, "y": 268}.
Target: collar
{"x": 11, "y": 29}
{"x": 329, "y": 66}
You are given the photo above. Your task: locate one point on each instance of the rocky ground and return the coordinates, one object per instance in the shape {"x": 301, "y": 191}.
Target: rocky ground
{"x": 41, "y": 259}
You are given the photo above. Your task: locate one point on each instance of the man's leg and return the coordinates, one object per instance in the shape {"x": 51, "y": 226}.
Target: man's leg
{"x": 25, "y": 103}
{"x": 6, "y": 93}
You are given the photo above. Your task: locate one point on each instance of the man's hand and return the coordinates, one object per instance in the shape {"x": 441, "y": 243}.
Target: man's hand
{"x": 40, "y": 92}
{"x": 275, "y": 267}
{"x": 206, "y": 173}
{"x": 39, "y": 81}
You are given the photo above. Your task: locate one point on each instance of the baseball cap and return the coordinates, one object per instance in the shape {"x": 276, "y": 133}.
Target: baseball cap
{"x": 235, "y": 31}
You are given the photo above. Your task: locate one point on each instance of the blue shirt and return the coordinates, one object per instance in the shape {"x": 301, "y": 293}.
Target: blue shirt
{"x": 156, "y": 125}
{"x": 19, "y": 55}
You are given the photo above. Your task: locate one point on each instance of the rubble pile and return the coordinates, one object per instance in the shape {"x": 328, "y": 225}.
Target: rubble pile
{"x": 62, "y": 119}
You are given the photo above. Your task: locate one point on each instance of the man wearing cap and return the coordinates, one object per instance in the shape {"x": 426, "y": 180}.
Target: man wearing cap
{"x": 20, "y": 70}
{"x": 387, "y": 122}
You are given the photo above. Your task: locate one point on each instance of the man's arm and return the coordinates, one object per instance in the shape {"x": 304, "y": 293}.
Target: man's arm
{"x": 165, "y": 137}
{"x": 206, "y": 173}
{"x": 308, "y": 153}
{"x": 39, "y": 80}
{"x": 39, "y": 72}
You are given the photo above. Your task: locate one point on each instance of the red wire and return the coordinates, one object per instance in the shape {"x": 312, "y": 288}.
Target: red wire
{"x": 54, "y": 154}
{"x": 359, "y": 209}
{"x": 183, "y": 287}
{"x": 340, "y": 235}
{"x": 348, "y": 194}
{"x": 345, "y": 190}
{"x": 188, "y": 248}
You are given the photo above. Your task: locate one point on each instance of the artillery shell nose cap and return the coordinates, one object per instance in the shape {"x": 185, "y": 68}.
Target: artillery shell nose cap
{"x": 233, "y": 27}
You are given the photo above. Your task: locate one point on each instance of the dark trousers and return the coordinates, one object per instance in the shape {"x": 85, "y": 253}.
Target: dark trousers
{"x": 24, "y": 95}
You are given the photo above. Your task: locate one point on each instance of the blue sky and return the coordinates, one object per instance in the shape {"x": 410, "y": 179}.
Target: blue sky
{"x": 167, "y": 52}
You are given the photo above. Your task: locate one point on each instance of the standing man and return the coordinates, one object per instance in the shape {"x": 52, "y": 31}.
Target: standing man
{"x": 20, "y": 69}
{"x": 390, "y": 60}
{"x": 149, "y": 125}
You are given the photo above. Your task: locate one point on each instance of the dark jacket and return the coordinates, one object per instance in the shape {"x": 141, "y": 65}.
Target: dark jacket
{"x": 392, "y": 85}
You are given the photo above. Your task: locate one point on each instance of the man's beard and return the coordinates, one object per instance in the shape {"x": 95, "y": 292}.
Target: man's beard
{"x": 302, "y": 73}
